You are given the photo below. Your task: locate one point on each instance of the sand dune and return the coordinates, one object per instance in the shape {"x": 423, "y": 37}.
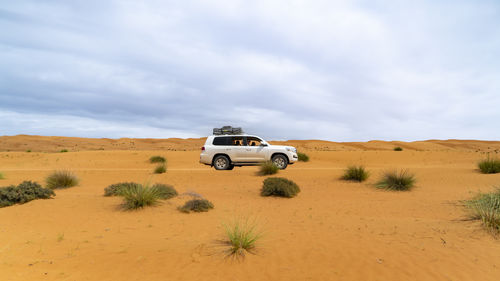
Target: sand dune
{"x": 55, "y": 144}
{"x": 333, "y": 230}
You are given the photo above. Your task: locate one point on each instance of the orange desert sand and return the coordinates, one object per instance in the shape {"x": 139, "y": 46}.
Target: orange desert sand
{"x": 333, "y": 230}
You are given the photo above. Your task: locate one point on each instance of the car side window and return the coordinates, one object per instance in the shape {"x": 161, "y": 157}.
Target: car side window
{"x": 230, "y": 141}
{"x": 253, "y": 141}
{"x": 237, "y": 141}
{"x": 222, "y": 141}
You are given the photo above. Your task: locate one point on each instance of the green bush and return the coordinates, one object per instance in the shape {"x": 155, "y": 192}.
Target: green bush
{"x": 268, "y": 168}
{"x": 138, "y": 196}
{"x": 166, "y": 191}
{"x": 303, "y": 157}
{"x": 486, "y": 207}
{"x": 61, "y": 179}
{"x": 279, "y": 187}
{"x": 355, "y": 173}
{"x": 115, "y": 189}
{"x": 157, "y": 159}
{"x": 2, "y": 176}
{"x": 24, "y": 192}
{"x": 489, "y": 166}
{"x": 242, "y": 237}
{"x": 196, "y": 205}
{"x": 399, "y": 181}
{"x": 63, "y": 150}
{"x": 397, "y": 148}
{"x": 160, "y": 169}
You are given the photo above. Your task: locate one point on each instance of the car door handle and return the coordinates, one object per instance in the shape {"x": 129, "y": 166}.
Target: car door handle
{"x": 228, "y": 149}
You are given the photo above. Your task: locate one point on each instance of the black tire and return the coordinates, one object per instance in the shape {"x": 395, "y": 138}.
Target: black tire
{"x": 221, "y": 162}
{"x": 280, "y": 161}
{"x": 231, "y": 167}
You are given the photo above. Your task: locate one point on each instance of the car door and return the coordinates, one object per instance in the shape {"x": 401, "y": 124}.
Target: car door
{"x": 238, "y": 149}
{"x": 254, "y": 150}
{"x": 233, "y": 146}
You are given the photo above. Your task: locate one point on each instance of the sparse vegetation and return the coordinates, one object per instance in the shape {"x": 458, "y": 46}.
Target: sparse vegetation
{"x": 136, "y": 192}
{"x": 157, "y": 159}
{"x": 196, "y": 205}
{"x": 355, "y": 173}
{"x": 279, "y": 187}
{"x": 268, "y": 168}
{"x": 2, "y": 176}
{"x": 63, "y": 150}
{"x": 486, "y": 207}
{"x": 166, "y": 191}
{"x": 397, "y": 148}
{"x": 399, "y": 181}
{"x": 489, "y": 165}
{"x": 22, "y": 193}
{"x": 61, "y": 179}
{"x": 303, "y": 157}
{"x": 138, "y": 196}
{"x": 242, "y": 236}
{"x": 160, "y": 169}
{"x": 115, "y": 189}
{"x": 29, "y": 150}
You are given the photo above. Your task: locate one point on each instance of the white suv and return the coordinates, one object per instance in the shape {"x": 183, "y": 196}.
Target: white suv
{"x": 226, "y": 151}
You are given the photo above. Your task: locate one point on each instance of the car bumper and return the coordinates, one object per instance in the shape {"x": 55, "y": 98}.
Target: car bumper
{"x": 205, "y": 159}
{"x": 293, "y": 157}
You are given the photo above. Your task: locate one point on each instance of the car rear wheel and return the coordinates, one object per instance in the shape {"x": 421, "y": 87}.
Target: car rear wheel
{"x": 280, "y": 161}
{"x": 222, "y": 162}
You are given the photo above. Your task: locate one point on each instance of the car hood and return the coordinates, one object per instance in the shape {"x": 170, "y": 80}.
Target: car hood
{"x": 281, "y": 146}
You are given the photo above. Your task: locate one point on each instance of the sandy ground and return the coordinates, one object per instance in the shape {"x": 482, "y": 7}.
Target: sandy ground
{"x": 333, "y": 230}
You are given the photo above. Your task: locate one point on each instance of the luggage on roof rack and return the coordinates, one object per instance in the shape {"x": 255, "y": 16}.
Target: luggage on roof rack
{"x": 228, "y": 130}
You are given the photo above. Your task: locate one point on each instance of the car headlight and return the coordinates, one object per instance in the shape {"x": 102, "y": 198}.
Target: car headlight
{"x": 292, "y": 149}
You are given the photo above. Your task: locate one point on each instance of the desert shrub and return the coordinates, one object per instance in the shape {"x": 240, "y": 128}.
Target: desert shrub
{"x": 397, "y": 148}
{"x": 268, "y": 168}
{"x": 486, "y": 207}
{"x": 394, "y": 180}
{"x": 303, "y": 157}
{"x": 63, "y": 150}
{"x": 157, "y": 159}
{"x": 355, "y": 173}
{"x": 166, "y": 191}
{"x": 160, "y": 169}
{"x": 61, "y": 179}
{"x": 24, "y": 192}
{"x": 279, "y": 187}
{"x": 489, "y": 166}
{"x": 196, "y": 205}
{"x": 29, "y": 150}
{"x": 2, "y": 176}
{"x": 115, "y": 189}
{"x": 242, "y": 236}
{"x": 138, "y": 196}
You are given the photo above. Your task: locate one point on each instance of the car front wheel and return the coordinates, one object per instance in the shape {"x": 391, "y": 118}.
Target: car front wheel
{"x": 222, "y": 162}
{"x": 280, "y": 161}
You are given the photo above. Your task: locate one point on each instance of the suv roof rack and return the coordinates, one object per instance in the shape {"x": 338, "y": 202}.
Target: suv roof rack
{"x": 228, "y": 130}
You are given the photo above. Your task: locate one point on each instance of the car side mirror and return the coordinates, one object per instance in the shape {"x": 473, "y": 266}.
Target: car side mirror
{"x": 263, "y": 144}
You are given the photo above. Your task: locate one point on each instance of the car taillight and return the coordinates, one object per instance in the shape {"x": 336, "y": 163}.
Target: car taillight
{"x": 202, "y": 148}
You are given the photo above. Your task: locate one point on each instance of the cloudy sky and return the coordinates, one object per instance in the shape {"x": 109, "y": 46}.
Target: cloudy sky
{"x": 281, "y": 69}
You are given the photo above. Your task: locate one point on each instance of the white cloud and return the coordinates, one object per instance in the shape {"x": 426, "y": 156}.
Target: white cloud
{"x": 338, "y": 70}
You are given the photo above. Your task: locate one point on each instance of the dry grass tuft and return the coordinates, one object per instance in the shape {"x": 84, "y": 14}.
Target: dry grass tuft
{"x": 61, "y": 179}
{"x": 398, "y": 181}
